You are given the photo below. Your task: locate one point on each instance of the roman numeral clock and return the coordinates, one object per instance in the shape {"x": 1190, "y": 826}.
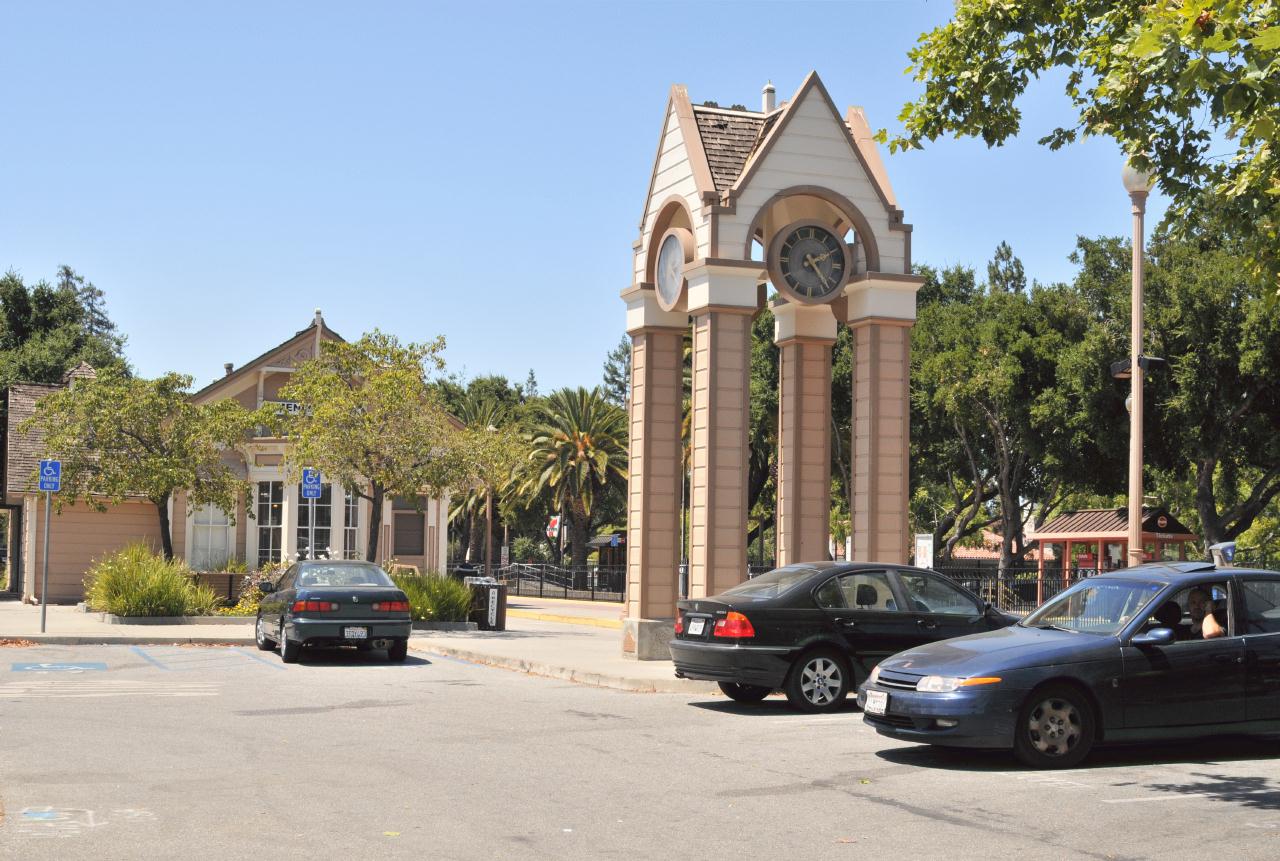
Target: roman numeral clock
{"x": 808, "y": 263}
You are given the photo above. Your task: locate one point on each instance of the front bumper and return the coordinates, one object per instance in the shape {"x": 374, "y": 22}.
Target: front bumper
{"x": 762, "y": 666}
{"x": 983, "y": 717}
{"x": 329, "y": 631}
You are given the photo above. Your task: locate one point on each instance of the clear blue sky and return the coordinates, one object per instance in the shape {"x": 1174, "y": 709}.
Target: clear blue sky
{"x": 473, "y": 170}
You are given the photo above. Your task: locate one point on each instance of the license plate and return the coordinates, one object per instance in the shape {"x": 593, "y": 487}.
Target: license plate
{"x": 355, "y": 633}
{"x": 696, "y": 627}
{"x": 877, "y": 703}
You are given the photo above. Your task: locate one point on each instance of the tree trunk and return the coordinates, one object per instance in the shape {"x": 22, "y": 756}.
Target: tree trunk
{"x": 476, "y": 538}
{"x": 579, "y": 524}
{"x": 376, "y": 494}
{"x": 166, "y": 538}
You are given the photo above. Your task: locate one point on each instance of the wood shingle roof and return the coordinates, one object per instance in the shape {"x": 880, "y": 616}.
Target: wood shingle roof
{"x": 728, "y": 138}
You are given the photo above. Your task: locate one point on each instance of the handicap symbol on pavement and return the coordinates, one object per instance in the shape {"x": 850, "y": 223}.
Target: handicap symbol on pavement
{"x": 58, "y": 668}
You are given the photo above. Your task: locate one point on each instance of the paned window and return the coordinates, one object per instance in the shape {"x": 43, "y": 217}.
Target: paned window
{"x": 351, "y": 527}
{"x": 270, "y": 520}
{"x": 210, "y": 539}
{"x": 323, "y": 508}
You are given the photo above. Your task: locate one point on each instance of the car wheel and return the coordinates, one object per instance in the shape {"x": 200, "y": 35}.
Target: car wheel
{"x": 1055, "y": 728}
{"x": 265, "y": 643}
{"x": 289, "y": 650}
{"x": 744, "y": 693}
{"x": 398, "y": 652}
{"x": 818, "y": 681}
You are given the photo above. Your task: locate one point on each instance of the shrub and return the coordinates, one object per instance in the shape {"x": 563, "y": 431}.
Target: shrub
{"x": 137, "y": 582}
{"x": 434, "y": 598}
{"x": 526, "y": 549}
{"x": 250, "y": 597}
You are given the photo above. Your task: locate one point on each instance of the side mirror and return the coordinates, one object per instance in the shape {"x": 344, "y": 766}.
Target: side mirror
{"x": 266, "y": 587}
{"x": 1154, "y": 637}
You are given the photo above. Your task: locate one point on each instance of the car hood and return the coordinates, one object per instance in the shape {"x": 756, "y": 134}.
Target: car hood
{"x": 1001, "y": 650}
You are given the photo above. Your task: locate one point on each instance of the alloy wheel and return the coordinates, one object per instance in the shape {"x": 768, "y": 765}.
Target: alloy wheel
{"x": 821, "y": 680}
{"x": 1054, "y": 726}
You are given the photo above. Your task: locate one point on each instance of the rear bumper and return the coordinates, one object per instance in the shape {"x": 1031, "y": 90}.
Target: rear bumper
{"x": 982, "y": 718}
{"x": 763, "y": 666}
{"x": 318, "y": 631}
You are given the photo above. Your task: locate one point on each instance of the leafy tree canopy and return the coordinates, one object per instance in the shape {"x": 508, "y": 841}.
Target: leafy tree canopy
{"x": 1189, "y": 89}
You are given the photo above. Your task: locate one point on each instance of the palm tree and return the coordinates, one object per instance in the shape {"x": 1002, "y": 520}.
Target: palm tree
{"x": 477, "y": 414}
{"x": 578, "y": 447}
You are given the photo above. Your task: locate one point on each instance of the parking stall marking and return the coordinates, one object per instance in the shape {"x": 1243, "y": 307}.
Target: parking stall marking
{"x": 68, "y": 689}
{"x": 191, "y": 659}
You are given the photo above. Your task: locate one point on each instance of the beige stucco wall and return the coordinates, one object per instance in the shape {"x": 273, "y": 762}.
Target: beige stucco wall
{"x": 673, "y": 176}
{"x": 80, "y": 535}
{"x": 879, "y": 491}
{"x": 804, "y": 449}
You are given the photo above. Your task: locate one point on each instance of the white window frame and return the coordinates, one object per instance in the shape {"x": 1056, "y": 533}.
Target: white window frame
{"x": 191, "y": 533}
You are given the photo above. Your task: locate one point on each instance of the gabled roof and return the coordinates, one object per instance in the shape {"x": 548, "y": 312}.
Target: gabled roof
{"x": 23, "y": 450}
{"x": 254, "y": 364}
{"x": 728, "y": 139}
{"x": 1110, "y": 522}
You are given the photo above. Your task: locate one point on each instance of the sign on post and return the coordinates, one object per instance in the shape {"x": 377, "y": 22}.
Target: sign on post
{"x": 553, "y": 526}
{"x": 924, "y": 550}
{"x": 51, "y": 475}
{"x": 311, "y": 483}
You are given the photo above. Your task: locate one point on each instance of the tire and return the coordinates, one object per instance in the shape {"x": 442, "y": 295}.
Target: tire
{"x": 819, "y": 681}
{"x": 744, "y": 693}
{"x": 289, "y": 650}
{"x": 265, "y": 643}
{"x": 398, "y": 652}
{"x": 1056, "y": 727}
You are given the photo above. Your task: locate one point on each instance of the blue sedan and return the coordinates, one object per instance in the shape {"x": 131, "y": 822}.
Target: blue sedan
{"x": 1181, "y": 650}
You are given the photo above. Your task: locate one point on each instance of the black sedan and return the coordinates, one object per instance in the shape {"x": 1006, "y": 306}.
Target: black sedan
{"x": 1155, "y": 652}
{"x": 814, "y": 630}
{"x": 334, "y": 603}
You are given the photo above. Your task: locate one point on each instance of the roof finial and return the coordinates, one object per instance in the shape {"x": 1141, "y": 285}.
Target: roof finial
{"x": 767, "y": 98}
{"x": 319, "y": 319}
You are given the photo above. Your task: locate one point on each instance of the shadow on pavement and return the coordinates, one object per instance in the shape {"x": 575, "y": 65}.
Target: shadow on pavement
{"x": 1221, "y": 749}
{"x": 774, "y": 706}
{"x": 339, "y": 657}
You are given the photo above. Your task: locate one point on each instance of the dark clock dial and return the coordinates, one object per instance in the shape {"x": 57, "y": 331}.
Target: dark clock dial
{"x": 812, "y": 261}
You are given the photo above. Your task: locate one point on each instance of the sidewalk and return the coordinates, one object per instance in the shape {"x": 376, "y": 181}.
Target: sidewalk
{"x": 579, "y": 645}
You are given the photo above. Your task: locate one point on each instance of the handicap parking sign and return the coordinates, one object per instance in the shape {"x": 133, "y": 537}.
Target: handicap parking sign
{"x": 51, "y": 475}
{"x": 310, "y": 483}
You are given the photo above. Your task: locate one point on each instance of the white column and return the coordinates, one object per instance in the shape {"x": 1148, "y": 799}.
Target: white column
{"x": 289, "y": 522}
{"x": 337, "y": 520}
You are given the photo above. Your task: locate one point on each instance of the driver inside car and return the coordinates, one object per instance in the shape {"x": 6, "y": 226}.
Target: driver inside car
{"x": 1207, "y": 621}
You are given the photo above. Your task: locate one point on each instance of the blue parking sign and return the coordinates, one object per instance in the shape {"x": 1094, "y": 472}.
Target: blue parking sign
{"x": 310, "y": 483}
{"x": 51, "y": 475}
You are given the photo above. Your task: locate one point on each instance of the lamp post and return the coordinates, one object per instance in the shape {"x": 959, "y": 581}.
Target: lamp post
{"x": 1138, "y": 184}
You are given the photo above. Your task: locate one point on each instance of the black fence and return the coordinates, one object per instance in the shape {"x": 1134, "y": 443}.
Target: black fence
{"x": 1018, "y": 589}
{"x": 592, "y": 583}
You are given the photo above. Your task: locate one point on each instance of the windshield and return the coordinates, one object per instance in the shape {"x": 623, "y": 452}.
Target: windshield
{"x": 1094, "y": 607}
{"x": 320, "y": 574}
{"x": 774, "y": 583}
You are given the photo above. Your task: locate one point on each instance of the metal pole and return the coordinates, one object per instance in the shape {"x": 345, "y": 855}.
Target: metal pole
{"x": 1139, "y": 199}
{"x": 311, "y": 528}
{"x": 44, "y": 578}
{"x": 488, "y": 531}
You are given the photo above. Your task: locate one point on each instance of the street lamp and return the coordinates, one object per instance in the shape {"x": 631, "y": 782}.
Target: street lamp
{"x": 1138, "y": 183}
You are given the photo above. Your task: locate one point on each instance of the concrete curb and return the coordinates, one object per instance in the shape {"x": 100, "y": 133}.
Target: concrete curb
{"x": 110, "y": 619}
{"x": 446, "y": 626}
{"x": 127, "y": 640}
{"x": 566, "y": 620}
{"x": 583, "y": 677}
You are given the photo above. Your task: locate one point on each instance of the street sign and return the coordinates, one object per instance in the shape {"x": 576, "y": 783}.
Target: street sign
{"x": 50, "y": 475}
{"x": 553, "y": 526}
{"x": 311, "y": 483}
{"x": 924, "y": 550}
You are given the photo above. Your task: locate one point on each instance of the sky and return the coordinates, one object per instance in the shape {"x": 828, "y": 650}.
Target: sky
{"x": 469, "y": 170}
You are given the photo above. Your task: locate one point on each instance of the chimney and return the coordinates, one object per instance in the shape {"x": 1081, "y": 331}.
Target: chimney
{"x": 227, "y": 368}
{"x": 768, "y": 100}
{"x": 319, "y": 319}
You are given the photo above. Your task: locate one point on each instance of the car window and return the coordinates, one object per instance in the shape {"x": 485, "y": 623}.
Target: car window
{"x": 774, "y": 583}
{"x": 927, "y": 594}
{"x": 829, "y": 596}
{"x": 1096, "y": 606}
{"x": 1262, "y": 606}
{"x": 1192, "y": 604}
{"x": 320, "y": 574}
{"x": 286, "y": 582}
{"x": 867, "y": 590}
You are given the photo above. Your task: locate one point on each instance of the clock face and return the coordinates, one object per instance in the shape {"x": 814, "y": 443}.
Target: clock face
{"x": 811, "y": 260}
{"x": 670, "y": 270}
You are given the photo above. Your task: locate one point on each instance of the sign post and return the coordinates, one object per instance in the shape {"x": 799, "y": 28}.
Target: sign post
{"x": 50, "y": 483}
{"x": 311, "y": 492}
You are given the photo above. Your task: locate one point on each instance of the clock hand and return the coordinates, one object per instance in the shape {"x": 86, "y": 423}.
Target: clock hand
{"x": 813, "y": 264}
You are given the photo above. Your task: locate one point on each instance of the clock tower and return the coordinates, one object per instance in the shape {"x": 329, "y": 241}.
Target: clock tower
{"x": 793, "y": 200}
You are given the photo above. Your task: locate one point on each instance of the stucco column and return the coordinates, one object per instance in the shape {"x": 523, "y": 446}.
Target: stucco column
{"x": 723, "y": 298}
{"x": 653, "y": 491}
{"x": 805, "y": 335}
{"x": 881, "y": 312}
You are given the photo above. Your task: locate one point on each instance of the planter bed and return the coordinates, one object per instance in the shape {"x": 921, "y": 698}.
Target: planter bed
{"x": 445, "y": 626}
{"x": 112, "y": 619}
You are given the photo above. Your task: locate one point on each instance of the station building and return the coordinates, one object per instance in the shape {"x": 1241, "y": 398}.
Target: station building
{"x": 270, "y": 524}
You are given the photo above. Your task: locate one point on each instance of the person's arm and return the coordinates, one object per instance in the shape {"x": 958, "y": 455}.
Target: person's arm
{"x": 1210, "y": 628}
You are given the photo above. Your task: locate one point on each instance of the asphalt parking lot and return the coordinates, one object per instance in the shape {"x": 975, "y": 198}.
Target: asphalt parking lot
{"x": 166, "y": 751}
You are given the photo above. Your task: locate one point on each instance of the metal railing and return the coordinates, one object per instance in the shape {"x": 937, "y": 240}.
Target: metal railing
{"x": 544, "y": 580}
{"x": 1019, "y": 589}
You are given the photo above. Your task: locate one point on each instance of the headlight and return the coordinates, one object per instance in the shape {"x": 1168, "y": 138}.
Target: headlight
{"x": 875, "y": 675}
{"x": 947, "y": 684}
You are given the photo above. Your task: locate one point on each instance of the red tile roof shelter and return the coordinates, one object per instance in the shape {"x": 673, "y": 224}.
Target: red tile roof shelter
{"x": 1093, "y": 540}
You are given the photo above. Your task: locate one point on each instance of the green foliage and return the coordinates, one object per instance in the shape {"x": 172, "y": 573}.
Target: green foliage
{"x": 48, "y": 329}
{"x": 250, "y": 598}
{"x": 371, "y": 421}
{"x": 1188, "y": 89}
{"x": 530, "y": 550}
{"x": 435, "y": 597}
{"x": 134, "y": 581}
{"x": 617, "y": 372}
{"x": 121, "y": 437}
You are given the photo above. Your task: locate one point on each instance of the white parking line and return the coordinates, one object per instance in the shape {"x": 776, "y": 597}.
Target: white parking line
{"x": 1178, "y": 797}
{"x": 68, "y": 689}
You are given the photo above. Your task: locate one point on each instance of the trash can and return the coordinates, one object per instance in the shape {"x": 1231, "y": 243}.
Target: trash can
{"x": 488, "y": 603}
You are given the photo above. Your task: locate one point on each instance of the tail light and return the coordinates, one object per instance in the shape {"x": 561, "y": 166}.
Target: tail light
{"x": 391, "y": 606}
{"x": 679, "y": 622}
{"x": 314, "y": 607}
{"x": 734, "y": 625}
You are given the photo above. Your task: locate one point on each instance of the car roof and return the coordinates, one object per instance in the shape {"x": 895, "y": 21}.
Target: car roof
{"x": 335, "y": 563}
{"x": 1177, "y": 572}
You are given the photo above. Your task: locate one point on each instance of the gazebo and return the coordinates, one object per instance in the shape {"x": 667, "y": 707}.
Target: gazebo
{"x": 1086, "y": 542}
